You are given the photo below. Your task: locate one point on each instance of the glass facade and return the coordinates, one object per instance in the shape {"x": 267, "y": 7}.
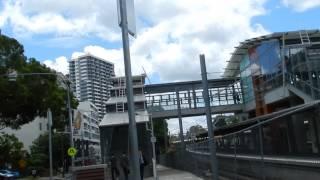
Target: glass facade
{"x": 262, "y": 61}
{"x": 303, "y": 69}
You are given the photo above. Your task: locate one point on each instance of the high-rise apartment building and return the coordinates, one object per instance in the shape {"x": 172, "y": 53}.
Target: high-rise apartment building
{"x": 90, "y": 77}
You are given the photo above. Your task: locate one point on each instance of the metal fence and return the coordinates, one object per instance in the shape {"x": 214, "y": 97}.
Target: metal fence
{"x": 288, "y": 138}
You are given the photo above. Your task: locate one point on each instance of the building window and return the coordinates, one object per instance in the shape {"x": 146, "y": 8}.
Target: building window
{"x": 40, "y": 126}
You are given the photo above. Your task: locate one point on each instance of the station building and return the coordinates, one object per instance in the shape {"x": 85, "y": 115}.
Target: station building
{"x": 276, "y": 68}
{"x": 280, "y": 77}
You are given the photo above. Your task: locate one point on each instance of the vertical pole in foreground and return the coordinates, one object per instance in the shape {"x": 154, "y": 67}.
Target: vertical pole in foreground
{"x": 180, "y": 120}
{"x": 154, "y": 158}
{"x": 134, "y": 155}
{"x": 212, "y": 144}
{"x": 70, "y": 123}
{"x": 49, "y": 117}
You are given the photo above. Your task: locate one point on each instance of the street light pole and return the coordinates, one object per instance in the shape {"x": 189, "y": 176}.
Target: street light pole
{"x": 70, "y": 122}
{"x": 153, "y": 141}
{"x": 49, "y": 118}
{"x": 134, "y": 154}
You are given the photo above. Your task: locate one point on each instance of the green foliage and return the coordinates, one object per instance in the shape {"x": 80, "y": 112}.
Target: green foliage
{"x": 39, "y": 158}
{"x": 222, "y": 121}
{"x": 30, "y": 95}
{"x": 195, "y": 131}
{"x": 161, "y": 132}
{"x": 10, "y": 150}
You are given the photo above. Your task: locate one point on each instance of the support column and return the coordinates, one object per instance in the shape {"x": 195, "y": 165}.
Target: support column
{"x": 212, "y": 143}
{"x": 189, "y": 99}
{"x": 194, "y": 95}
{"x": 180, "y": 120}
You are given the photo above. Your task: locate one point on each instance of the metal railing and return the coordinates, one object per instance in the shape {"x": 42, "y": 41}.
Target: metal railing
{"x": 188, "y": 100}
{"x": 276, "y": 139}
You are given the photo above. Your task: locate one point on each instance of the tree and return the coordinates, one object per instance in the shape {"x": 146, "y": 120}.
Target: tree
{"x": 39, "y": 158}
{"x": 10, "y": 151}
{"x": 161, "y": 132}
{"x": 196, "y": 130}
{"x": 222, "y": 120}
{"x": 29, "y": 96}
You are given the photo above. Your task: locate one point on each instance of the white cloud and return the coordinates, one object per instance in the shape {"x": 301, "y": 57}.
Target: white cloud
{"x": 180, "y": 30}
{"x": 301, "y": 5}
{"x": 171, "y": 34}
{"x": 187, "y": 122}
{"x": 61, "y": 18}
{"x": 60, "y": 64}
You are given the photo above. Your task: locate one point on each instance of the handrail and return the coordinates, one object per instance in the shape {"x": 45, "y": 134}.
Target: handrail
{"x": 303, "y": 107}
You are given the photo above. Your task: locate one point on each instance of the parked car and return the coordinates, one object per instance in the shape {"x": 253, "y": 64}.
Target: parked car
{"x": 4, "y": 174}
{"x": 9, "y": 174}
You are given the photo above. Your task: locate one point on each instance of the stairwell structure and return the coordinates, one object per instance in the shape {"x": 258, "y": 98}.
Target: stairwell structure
{"x": 114, "y": 125}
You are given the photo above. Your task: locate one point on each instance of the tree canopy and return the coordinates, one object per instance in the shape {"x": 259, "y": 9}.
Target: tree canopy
{"x": 30, "y": 95}
{"x": 10, "y": 150}
{"x": 39, "y": 158}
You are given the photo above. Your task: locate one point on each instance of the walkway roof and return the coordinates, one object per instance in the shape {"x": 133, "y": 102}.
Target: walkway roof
{"x": 187, "y": 85}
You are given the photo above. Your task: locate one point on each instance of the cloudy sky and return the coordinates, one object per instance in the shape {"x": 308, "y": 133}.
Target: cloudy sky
{"x": 170, "y": 33}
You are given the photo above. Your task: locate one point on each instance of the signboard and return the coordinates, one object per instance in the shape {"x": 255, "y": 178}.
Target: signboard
{"x": 72, "y": 151}
{"x": 153, "y": 139}
{"x": 131, "y": 18}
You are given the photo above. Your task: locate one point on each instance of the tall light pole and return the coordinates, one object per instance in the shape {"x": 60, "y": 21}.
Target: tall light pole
{"x": 70, "y": 121}
{"x": 153, "y": 141}
{"x": 49, "y": 118}
{"x": 134, "y": 154}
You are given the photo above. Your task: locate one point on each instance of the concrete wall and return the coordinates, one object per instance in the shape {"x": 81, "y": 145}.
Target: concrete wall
{"x": 29, "y": 132}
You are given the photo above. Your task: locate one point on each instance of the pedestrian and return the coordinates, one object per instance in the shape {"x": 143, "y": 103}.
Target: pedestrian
{"x": 143, "y": 162}
{"x": 34, "y": 173}
{"x": 114, "y": 167}
{"x": 125, "y": 165}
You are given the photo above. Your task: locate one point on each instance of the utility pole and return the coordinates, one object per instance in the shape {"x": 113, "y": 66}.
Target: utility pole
{"x": 49, "y": 117}
{"x": 70, "y": 122}
{"x": 212, "y": 143}
{"x": 134, "y": 154}
{"x": 154, "y": 159}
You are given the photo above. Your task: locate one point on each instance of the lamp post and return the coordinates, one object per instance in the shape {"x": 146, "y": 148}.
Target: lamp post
{"x": 12, "y": 76}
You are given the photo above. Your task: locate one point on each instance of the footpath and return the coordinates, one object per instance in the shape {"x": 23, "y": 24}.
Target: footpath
{"x": 165, "y": 173}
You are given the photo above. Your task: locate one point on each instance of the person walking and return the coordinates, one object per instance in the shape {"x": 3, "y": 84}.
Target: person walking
{"x": 143, "y": 162}
{"x": 125, "y": 165}
{"x": 114, "y": 167}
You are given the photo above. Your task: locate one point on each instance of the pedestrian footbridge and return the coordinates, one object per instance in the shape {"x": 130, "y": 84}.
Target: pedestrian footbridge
{"x": 171, "y": 100}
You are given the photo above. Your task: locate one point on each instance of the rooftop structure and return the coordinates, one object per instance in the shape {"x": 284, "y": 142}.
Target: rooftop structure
{"x": 116, "y": 106}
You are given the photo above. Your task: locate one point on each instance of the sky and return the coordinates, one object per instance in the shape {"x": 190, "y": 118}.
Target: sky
{"x": 170, "y": 34}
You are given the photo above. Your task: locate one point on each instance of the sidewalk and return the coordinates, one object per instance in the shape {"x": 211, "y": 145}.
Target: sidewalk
{"x": 165, "y": 173}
